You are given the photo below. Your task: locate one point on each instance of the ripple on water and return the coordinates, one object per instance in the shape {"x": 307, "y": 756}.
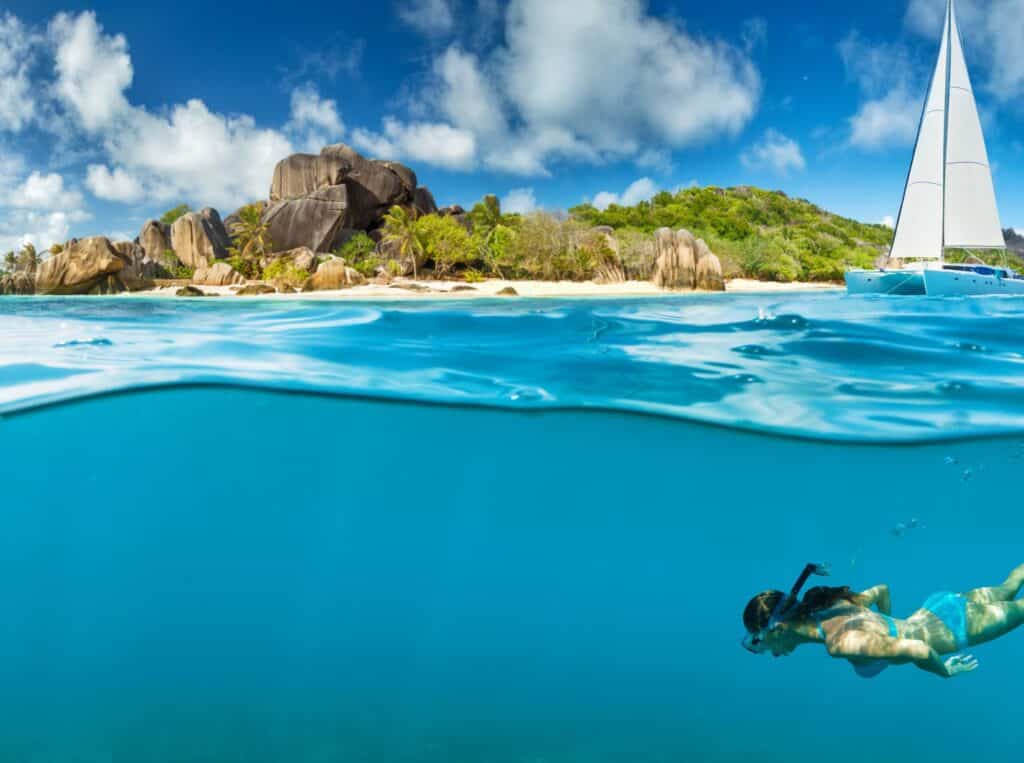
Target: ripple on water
{"x": 817, "y": 365}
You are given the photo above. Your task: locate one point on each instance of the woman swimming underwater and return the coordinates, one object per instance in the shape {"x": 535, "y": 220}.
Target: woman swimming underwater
{"x": 872, "y": 639}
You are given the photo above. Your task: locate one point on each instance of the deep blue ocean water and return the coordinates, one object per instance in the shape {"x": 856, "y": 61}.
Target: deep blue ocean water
{"x": 494, "y": 531}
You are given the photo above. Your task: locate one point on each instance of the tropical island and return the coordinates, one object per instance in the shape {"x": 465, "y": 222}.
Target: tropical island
{"x": 337, "y": 221}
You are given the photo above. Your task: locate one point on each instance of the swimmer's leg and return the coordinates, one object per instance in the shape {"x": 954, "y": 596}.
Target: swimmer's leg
{"x": 1008, "y": 591}
{"x": 987, "y": 622}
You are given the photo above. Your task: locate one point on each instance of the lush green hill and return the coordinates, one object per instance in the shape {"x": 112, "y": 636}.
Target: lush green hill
{"x": 756, "y": 233}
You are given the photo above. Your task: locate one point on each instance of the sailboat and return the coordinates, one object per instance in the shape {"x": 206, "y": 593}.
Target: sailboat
{"x": 949, "y": 201}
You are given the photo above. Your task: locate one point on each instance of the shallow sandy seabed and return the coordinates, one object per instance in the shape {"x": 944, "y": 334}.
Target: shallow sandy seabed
{"x": 405, "y": 289}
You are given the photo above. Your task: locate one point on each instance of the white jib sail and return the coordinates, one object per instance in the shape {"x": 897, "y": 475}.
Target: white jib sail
{"x": 919, "y": 227}
{"x": 972, "y": 215}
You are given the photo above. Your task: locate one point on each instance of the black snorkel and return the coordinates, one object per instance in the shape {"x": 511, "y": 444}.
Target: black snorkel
{"x": 786, "y": 604}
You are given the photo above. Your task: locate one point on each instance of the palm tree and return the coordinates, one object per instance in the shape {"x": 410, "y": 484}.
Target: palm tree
{"x": 29, "y": 259}
{"x": 400, "y": 230}
{"x": 486, "y": 217}
{"x": 10, "y": 262}
{"x": 252, "y": 235}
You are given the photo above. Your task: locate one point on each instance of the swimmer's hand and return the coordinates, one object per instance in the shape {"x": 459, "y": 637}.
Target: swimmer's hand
{"x": 960, "y": 663}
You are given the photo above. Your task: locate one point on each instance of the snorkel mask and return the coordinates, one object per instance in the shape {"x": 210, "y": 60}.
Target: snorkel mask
{"x": 754, "y": 642}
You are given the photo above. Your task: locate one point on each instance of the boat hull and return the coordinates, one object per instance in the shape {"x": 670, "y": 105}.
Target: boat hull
{"x": 896, "y": 282}
{"x": 957, "y": 283}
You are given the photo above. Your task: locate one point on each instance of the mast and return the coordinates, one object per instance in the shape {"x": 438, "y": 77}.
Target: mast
{"x": 945, "y": 129}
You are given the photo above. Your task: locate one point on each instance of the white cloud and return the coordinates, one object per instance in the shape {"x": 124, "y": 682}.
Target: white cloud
{"x": 588, "y": 81}
{"x": 41, "y": 229}
{"x": 889, "y": 221}
{"x": 17, "y": 100}
{"x": 991, "y": 36}
{"x": 774, "y": 152}
{"x": 519, "y": 201}
{"x": 315, "y": 121}
{"x": 44, "y": 192}
{"x": 429, "y": 17}
{"x": 93, "y": 69}
{"x": 889, "y": 121}
{"x": 114, "y": 186}
{"x": 892, "y": 85}
{"x": 196, "y": 155}
{"x": 641, "y": 190}
{"x": 432, "y": 143}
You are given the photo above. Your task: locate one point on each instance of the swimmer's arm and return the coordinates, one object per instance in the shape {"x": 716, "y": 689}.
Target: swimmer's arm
{"x": 898, "y": 651}
{"x": 879, "y": 596}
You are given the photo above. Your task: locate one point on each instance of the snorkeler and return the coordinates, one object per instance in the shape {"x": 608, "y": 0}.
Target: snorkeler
{"x": 844, "y": 622}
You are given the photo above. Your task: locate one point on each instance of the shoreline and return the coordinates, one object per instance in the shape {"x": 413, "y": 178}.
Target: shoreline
{"x": 410, "y": 289}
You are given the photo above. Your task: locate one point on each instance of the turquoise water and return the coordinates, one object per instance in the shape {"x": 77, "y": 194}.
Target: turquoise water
{"x": 445, "y": 532}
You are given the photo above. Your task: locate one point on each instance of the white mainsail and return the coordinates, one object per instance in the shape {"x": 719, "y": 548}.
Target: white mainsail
{"x": 972, "y": 217}
{"x": 949, "y": 201}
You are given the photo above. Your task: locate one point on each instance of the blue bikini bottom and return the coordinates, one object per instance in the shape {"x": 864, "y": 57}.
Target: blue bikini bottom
{"x": 951, "y": 609}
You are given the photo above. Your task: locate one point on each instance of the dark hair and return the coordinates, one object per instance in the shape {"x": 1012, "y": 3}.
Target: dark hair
{"x": 758, "y": 614}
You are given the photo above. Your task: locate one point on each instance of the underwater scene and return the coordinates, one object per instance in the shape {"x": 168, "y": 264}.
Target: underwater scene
{"x": 505, "y": 532}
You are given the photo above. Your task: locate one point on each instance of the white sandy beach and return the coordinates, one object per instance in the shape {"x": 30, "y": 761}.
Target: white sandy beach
{"x": 406, "y": 289}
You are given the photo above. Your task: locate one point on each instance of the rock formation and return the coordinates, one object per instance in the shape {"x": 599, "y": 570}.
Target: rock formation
{"x": 315, "y": 198}
{"x": 87, "y": 266}
{"x": 709, "y": 269}
{"x": 610, "y": 269}
{"x": 302, "y": 258}
{"x": 155, "y": 239}
{"x": 675, "y": 259}
{"x": 17, "y": 283}
{"x": 139, "y": 270}
{"x": 200, "y": 238}
{"x": 334, "y": 274}
{"x": 218, "y": 274}
{"x": 315, "y": 221}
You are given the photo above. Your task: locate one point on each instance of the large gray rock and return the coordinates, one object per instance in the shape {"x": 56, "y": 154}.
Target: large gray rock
{"x": 372, "y": 187}
{"x": 139, "y": 270}
{"x": 200, "y": 238}
{"x": 423, "y": 201}
{"x": 676, "y": 259}
{"x": 87, "y": 266}
{"x": 314, "y": 222}
{"x": 218, "y": 274}
{"x": 155, "y": 239}
{"x": 709, "y": 269}
{"x": 334, "y": 274}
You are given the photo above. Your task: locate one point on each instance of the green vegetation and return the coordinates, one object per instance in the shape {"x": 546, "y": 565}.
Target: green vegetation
{"x": 445, "y": 242}
{"x": 174, "y": 266}
{"x": 286, "y": 272}
{"x": 400, "y": 232}
{"x": 252, "y": 241}
{"x": 360, "y": 253}
{"x": 168, "y": 217}
{"x": 56, "y": 249}
{"x": 756, "y": 233}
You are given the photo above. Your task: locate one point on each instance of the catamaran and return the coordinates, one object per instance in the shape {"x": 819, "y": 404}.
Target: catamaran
{"x": 949, "y": 201}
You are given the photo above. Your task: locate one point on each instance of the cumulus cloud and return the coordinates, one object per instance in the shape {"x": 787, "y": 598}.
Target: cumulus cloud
{"x": 428, "y": 142}
{"x": 429, "y": 17}
{"x": 17, "y": 100}
{"x": 888, "y": 121}
{"x": 94, "y": 69}
{"x": 519, "y": 201}
{"x": 991, "y": 36}
{"x": 314, "y": 121}
{"x": 774, "y": 152}
{"x": 116, "y": 185}
{"x": 892, "y": 83}
{"x": 643, "y": 189}
{"x": 591, "y": 80}
{"x": 40, "y": 191}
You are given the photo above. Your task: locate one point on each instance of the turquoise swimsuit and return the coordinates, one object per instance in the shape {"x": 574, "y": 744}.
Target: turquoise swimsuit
{"x": 949, "y": 608}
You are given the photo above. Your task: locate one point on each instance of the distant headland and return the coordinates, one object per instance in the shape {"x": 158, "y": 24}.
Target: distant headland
{"x": 339, "y": 221}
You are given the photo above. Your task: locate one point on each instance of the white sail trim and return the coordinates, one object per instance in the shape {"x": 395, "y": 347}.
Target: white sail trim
{"x": 919, "y": 227}
{"x": 971, "y": 213}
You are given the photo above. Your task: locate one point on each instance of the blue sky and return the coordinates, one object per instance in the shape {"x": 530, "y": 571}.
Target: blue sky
{"x": 111, "y": 113}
